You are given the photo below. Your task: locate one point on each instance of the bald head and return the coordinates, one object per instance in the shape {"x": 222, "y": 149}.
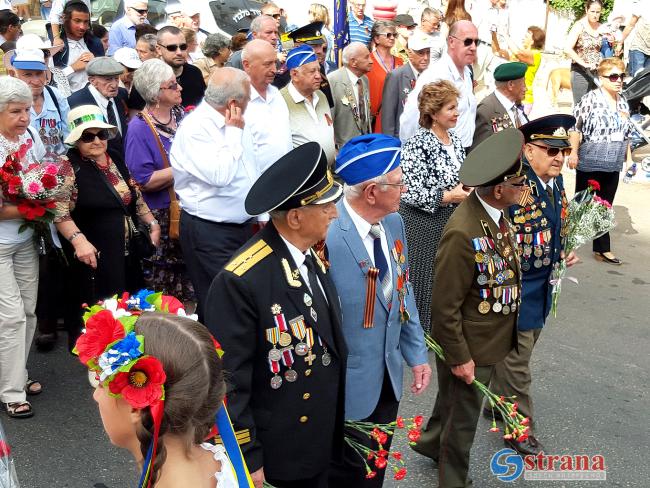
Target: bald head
{"x": 259, "y": 61}
{"x": 460, "y": 34}
{"x": 227, "y": 85}
{"x": 356, "y": 58}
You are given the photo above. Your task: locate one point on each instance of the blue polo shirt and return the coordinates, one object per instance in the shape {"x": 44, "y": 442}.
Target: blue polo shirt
{"x": 360, "y": 31}
{"x": 121, "y": 34}
{"x": 51, "y": 126}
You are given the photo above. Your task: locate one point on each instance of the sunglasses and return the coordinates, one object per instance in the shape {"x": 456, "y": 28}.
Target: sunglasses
{"x": 614, "y": 77}
{"x": 551, "y": 152}
{"x": 467, "y": 42}
{"x": 173, "y": 86}
{"x": 389, "y": 35}
{"x": 172, "y": 48}
{"x": 90, "y": 136}
{"x": 276, "y": 16}
{"x": 141, "y": 11}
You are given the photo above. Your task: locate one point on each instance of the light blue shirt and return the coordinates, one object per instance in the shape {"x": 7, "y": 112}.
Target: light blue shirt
{"x": 121, "y": 34}
{"x": 360, "y": 31}
{"x": 49, "y": 124}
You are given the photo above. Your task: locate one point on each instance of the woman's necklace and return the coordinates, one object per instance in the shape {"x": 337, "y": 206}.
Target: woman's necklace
{"x": 160, "y": 122}
{"x": 383, "y": 64}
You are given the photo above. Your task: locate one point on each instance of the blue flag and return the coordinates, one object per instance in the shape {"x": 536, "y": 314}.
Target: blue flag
{"x": 341, "y": 30}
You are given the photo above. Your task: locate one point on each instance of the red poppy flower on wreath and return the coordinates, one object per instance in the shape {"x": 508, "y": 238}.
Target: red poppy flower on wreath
{"x": 170, "y": 304}
{"x": 142, "y": 385}
{"x": 400, "y": 474}
{"x": 595, "y": 186}
{"x": 101, "y": 330}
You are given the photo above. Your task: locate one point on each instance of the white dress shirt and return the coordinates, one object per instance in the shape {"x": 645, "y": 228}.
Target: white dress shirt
{"x": 444, "y": 69}
{"x": 77, "y": 79}
{"x": 363, "y": 228}
{"x": 267, "y": 133}
{"x": 299, "y": 258}
{"x": 102, "y": 103}
{"x": 212, "y": 174}
{"x": 494, "y": 213}
{"x": 511, "y": 108}
{"x": 353, "y": 81}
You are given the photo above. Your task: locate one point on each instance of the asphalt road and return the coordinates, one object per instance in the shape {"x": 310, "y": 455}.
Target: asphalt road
{"x": 591, "y": 368}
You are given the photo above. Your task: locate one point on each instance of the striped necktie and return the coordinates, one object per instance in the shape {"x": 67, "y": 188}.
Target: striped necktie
{"x": 380, "y": 263}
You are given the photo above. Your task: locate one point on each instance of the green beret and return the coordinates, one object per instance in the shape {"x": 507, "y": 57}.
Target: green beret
{"x": 510, "y": 71}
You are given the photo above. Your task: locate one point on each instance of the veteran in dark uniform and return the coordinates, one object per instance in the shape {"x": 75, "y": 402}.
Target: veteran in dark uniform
{"x": 275, "y": 311}
{"x": 538, "y": 226}
{"x": 475, "y": 300}
{"x": 310, "y": 34}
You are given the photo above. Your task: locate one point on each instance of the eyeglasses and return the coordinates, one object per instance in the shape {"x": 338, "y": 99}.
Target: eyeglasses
{"x": 467, "y": 42}
{"x": 389, "y": 35}
{"x": 141, "y": 11}
{"x": 401, "y": 184}
{"x": 614, "y": 77}
{"x": 90, "y": 136}
{"x": 551, "y": 152}
{"x": 172, "y": 48}
{"x": 173, "y": 87}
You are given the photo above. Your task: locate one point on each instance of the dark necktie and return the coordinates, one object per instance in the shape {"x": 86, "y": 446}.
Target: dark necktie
{"x": 551, "y": 196}
{"x": 320, "y": 303}
{"x": 362, "y": 107}
{"x": 515, "y": 111}
{"x": 380, "y": 262}
{"x": 110, "y": 112}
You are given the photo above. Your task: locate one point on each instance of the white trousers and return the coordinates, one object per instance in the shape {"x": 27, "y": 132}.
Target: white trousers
{"x": 18, "y": 292}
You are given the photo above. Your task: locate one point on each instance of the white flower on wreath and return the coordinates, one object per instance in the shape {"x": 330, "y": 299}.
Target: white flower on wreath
{"x": 111, "y": 305}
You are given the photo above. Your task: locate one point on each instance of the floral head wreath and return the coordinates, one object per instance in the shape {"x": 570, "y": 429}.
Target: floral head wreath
{"x": 111, "y": 349}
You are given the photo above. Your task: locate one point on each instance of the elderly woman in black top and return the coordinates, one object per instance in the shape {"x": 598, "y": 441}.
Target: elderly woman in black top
{"x": 431, "y": 159}
{"x": 93, "y": 222}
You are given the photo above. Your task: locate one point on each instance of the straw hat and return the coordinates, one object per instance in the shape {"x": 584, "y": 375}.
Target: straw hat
{"x": 86, "y": 117}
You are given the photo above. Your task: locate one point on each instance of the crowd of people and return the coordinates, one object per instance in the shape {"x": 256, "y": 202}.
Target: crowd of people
{"x": 319, "y": 219}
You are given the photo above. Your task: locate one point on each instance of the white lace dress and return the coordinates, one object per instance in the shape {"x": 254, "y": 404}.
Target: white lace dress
{"x": 226, "y": 477}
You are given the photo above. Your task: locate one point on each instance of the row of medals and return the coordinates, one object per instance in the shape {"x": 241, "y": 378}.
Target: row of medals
{"x": 501, "y": 276}
{"x": 523, "y": 218}
{"x": 301, "y": 349}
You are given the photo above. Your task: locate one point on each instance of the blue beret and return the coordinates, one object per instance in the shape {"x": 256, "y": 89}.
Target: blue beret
{"x": 300, "y": 55}
{"x": 365, "y": 157}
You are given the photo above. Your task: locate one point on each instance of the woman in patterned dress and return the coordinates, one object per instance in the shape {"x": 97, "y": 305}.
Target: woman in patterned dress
{"x": 165, "y": 271}
{"x": 600, "y": 142}
{"x": 431, "y": 159}
{"x": 583, "y": 47}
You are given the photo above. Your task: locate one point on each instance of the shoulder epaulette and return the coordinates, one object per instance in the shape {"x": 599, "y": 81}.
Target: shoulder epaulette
{"x": 249, "y": 258}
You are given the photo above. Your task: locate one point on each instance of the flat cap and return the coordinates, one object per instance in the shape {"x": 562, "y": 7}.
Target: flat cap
{"x": 510, "y": 71}
{"x": 308, "y": 34}
{"x": 551, "y": 130}
{"x": 299, "y": 178}
{"x": 405, "y": 20}
{"x": 365, "y": 157}
{"x": 104, "y": 66}
{"x": 495, "y": 160}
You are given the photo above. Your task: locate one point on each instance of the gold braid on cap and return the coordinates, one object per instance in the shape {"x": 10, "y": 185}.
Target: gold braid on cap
{"x": 319, "y": 193}
{"x": 516, "y": 174}
{"x": 560, "y": 134}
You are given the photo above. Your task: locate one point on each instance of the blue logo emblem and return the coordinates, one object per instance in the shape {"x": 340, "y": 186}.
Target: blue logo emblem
{"x": 507, "y": 465}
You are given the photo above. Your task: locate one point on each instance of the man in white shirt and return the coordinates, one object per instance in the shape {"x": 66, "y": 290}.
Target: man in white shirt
{"x": 454, "y": 67}
{"x": 267, "y": 133}
{"x": 212, "y": 175}
{"x": 430, "y": 23}
{"x": 309, "y": 113}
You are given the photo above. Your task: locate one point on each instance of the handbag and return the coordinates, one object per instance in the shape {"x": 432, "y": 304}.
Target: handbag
{"x": 174, "y": 204}
{"x": 138, "y": 242}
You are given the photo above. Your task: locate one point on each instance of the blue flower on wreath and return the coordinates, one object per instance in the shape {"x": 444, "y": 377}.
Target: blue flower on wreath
{"x": 120, "y": 354}
{"x": 139, "y": 300}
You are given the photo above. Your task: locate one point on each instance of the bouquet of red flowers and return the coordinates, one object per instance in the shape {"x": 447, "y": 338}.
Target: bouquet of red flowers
{"x": 8, "y": 478}
{"x": 32, "y": 187}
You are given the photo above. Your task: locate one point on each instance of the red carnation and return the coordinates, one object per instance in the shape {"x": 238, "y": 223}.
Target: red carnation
{"x": 380, "y": 462}
{"x": 400, "y": 474}
{"x": 30, "y": 209}
{"x": 417, "y": 420}
{"x": 414, "y": 435}
{"x": 189, "y": 108}
{"x": 170, "y": 304}
{"x": 48, "y": 181}
{"x": 397, "y": 455}
{"x": 400, "y": 422}
{"x": 382, "y": 453}
{"x": 595, "y": 186}
{"x": 371, "y": 475}
{"x": 142, "y": 385}
{"x": 5, "y": 449}
{"x": 101, "y": 330}
{"x": 525, "y": 421}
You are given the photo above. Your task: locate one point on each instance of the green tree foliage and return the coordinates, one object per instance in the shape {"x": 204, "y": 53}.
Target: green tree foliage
{"x": 577, "y": 7}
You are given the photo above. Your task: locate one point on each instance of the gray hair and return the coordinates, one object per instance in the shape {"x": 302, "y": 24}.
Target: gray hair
{"x": 151, "y": 40}
{"x": 351, "y": 50}
{"x": 214, "y": 44}
{"x": 258, "y": 22}
{"x": 13, "y": 90}
{"x": 354, "y": 191}
{"x": 148, "y": 78}
{"x": 232, "y": 87}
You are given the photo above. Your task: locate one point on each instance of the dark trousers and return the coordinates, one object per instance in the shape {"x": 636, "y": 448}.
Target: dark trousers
{"x": 319, "y": 481}
{"x": 351, "y": 472}
{"x": 52, "y": 281}
{"x": 581, "y": 82}
{"x": 207, "y": 247}
{"x": 449, "y": 434}
{"x": 608, "y": 186}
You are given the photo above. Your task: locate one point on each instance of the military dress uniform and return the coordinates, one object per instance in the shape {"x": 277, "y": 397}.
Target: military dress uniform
{"x": 539, "y": 226}
{"x": 285, "y": 356}
{"x": 475, "y": 303}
